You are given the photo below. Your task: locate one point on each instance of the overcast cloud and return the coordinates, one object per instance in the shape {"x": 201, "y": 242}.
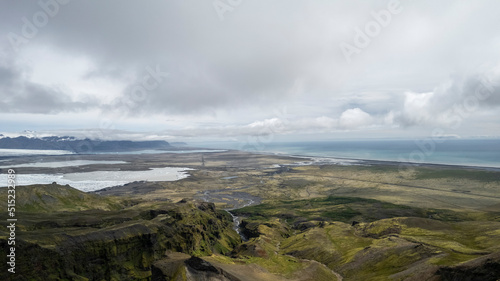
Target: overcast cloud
{"x": 291, "y": 69}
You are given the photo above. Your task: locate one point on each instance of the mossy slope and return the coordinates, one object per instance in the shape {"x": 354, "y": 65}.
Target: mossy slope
{"x": 364, "y": 239}
{"x": 45, "y": 198}
{"x": 114, "y": 244}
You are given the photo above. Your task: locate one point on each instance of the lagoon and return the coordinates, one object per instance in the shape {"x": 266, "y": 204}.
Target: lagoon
{"x": 92, "y": 181}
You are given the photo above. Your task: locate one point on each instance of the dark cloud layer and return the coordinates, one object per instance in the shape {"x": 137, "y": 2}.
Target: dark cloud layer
{"x": 260, "y": 54}
{"x": 19, "y": 96}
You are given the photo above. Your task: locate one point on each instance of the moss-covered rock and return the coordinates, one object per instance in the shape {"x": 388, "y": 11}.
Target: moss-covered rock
{"x": 104, "y": 247}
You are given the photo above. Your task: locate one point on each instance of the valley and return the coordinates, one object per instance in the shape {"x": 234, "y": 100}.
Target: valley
{"x": 362, "y": 221}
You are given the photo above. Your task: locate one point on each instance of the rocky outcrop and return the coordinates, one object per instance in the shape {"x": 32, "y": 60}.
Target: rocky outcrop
{"x": 117, "y": 249}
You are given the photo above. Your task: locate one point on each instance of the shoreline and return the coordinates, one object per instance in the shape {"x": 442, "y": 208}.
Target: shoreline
{"x": 202, "y": 150}
{"x": 377, "y": 162}
{"x": 231, "y": 177}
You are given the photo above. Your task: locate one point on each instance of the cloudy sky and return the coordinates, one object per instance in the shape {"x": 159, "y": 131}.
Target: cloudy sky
{"x": 229, "y": 69}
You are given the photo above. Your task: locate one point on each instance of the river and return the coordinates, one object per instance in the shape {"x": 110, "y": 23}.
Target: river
{"x": 231, "y": 197}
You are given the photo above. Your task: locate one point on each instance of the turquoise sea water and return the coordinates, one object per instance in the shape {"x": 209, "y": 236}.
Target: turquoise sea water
{"x": 475, "y": 152}
{"x": 471, "y": 152}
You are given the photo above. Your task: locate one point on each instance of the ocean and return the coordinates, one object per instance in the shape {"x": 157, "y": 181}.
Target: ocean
{"x": 463, "y": 152}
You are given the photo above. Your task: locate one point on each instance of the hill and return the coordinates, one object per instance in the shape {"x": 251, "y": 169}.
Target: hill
{"x": 46, "y": 198}
{"x": 366, "y": 239}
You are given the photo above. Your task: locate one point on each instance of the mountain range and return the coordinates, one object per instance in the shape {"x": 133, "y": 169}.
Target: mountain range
{"x": 75, "y": 145}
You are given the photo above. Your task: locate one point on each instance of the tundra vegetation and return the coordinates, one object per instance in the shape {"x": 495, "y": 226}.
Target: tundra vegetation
{"x": 371, "y": 221}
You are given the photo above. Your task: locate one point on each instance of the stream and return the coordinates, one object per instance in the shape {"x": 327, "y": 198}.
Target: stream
{"x": 237, "y": 199}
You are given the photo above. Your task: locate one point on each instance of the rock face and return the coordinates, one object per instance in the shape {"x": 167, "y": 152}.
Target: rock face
{"x": 106, "y": 238}
{"x": 118, "y": 244}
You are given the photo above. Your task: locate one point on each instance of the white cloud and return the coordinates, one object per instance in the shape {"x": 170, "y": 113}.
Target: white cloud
{"x": 451, "y": 103}
{"x": 416, "y": 108}
{"x": 355, "y": 118}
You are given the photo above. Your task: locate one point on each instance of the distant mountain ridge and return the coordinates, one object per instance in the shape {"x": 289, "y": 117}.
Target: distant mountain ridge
{"x": 80, "y": 145}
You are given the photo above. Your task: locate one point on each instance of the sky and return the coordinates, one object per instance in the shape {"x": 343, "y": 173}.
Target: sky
{"x": 189, "y": 70}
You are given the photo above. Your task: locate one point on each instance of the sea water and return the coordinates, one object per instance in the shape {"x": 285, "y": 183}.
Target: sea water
{"x": 463, "y": 152}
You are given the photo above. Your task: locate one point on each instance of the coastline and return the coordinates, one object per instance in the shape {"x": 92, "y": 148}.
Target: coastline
{"x": 198, "y": 152}
{"x": 375, "y": 162}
